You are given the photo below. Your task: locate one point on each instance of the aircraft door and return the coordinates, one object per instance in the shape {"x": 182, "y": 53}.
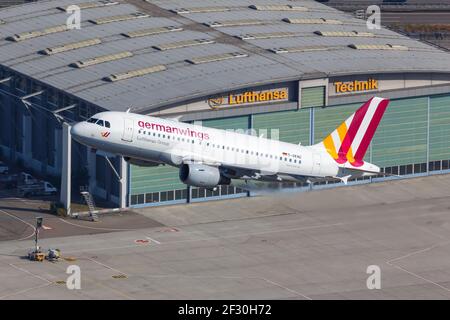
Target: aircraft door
{"x": 128, "y": 129}
{"x": 316, "y": 164}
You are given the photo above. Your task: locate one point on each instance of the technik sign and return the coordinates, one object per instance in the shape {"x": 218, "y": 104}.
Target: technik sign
{"x": 355, "y": 86}
{"x": 249, "y": 97}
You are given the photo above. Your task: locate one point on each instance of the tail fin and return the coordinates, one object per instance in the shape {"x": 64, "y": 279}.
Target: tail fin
{"x": 349, "y": 142}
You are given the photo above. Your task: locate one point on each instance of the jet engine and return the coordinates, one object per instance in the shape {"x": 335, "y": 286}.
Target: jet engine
{"x": 200, "y": 175}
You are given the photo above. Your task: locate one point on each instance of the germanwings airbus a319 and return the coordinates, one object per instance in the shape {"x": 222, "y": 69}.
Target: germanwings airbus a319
{"x": 209, "y": 157}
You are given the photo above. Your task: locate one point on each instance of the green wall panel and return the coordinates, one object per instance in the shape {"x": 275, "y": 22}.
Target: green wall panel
{"x": 293, "y": 126}
{"x": 401, "y": 137}
{"x": 228, "y": 123}
{"x": 440, "y": 128}
{"x": 313, "y": 97}
{"x": 153, "y": 179}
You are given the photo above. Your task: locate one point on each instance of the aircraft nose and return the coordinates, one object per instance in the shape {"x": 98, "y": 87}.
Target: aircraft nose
{"x": 77, "y": 131}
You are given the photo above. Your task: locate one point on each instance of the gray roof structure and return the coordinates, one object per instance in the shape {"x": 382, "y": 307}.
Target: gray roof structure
{"x": 196, "y": 48}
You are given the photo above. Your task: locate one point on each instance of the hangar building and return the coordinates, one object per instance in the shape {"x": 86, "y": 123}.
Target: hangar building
{"x": 297, "y": 66}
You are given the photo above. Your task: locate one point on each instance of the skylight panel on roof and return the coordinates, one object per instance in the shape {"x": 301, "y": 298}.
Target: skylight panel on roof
{"x": 271, "y": 35}
{"x": 38, "y": 33}
{"x": 200, "y": 10}
{"x": 182, "y": 44}
{"x": 277, "y": 8}
{"x": 304, "y": 49}
{"x": 91, "y": 5}
{"x": 151, "y": 31}
{"x": 102, "y": 59}
{"x": 135, "y": 73}
{"x": 123, "y": 17}
{"x": 234, "y": 23}
{"x": 378, "y": 47}
{"x": 344, "y": 34}
{"x": 217, "y": 57}
{"x": 312, "y": 21}
{"x": 71, "y": 46}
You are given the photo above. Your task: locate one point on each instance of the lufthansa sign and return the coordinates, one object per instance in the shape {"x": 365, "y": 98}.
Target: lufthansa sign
{"x": 249, "y": 97}
{"x": 356, "y": 86}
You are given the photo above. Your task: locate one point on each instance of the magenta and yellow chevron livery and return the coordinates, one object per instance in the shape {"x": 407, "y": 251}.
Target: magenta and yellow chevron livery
{"x": 349, "y": 142}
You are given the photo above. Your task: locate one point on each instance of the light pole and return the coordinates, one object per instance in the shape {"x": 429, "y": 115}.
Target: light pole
{"x": 36, "y": 232}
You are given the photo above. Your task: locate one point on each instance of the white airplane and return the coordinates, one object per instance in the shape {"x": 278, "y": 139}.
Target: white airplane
{"x": 209, "y": 157}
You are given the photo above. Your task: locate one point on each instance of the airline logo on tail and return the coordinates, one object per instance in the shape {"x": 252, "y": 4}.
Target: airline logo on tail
{"x": 349, "y": 142}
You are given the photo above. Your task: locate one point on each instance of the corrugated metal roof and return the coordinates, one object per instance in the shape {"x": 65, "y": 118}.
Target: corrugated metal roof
{"x": 197, "y": 71}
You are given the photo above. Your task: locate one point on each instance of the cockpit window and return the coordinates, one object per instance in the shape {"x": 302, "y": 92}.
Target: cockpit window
{"x": 99, "y": 122}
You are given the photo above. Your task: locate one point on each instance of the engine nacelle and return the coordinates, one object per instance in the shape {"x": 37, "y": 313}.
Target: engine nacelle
{"x": 200, "y": 175}
{"x": 141, "y": 163}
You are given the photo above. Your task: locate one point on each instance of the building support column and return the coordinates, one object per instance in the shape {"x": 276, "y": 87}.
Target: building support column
{"x": 188, "y": 194}
{"x": 66, "y": 171}
{"x": 123, "y": 183}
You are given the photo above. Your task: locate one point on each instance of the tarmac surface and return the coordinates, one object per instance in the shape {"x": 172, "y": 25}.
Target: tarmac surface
{"x": 18, "y": 218}
{"x": 312, "y": 245}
